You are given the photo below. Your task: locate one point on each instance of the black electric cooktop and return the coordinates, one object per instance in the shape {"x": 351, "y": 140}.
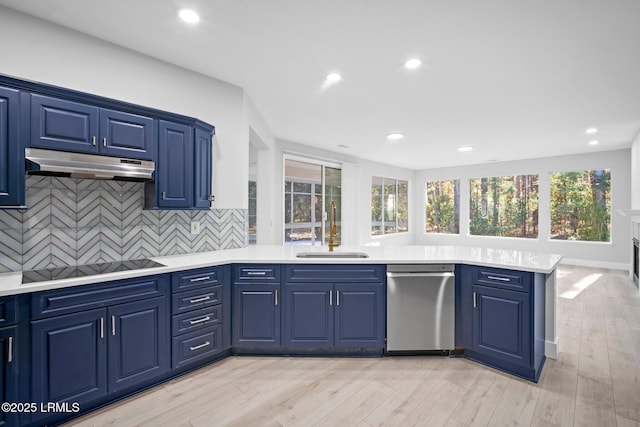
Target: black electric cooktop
{"x": 60, "y": 273}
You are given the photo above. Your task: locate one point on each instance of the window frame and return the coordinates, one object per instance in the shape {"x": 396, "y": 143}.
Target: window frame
{"x": 383, "y": 223}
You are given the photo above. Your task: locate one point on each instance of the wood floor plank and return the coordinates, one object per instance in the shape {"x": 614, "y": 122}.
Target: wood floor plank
{"x": 517, "y": 406}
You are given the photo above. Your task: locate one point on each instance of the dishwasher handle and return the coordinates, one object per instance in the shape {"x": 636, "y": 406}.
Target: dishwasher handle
{"x": 443, "y": 274}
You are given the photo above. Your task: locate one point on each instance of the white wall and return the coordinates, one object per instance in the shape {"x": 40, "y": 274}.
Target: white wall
{"x": 635, "y": 172}
{"x": 612, "y": 255}
{"x": 34, "y": 49}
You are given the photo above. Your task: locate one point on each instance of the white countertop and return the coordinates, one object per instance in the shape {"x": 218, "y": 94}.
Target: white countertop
{"x": 11, "y": 283}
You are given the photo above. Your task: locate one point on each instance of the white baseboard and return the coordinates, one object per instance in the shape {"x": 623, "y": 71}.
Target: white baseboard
{"x": 597, "y": 264}
{"x": 551, "y": 349}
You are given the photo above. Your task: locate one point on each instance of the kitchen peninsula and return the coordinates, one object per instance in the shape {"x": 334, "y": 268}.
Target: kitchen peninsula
{"x": 201, "y": 307}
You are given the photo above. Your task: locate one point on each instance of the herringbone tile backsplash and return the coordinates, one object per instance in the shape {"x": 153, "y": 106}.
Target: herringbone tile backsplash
{"x": 79, "y": 221}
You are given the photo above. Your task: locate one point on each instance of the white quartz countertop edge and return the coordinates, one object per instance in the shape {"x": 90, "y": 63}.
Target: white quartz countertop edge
{"x": 11, "y": 283}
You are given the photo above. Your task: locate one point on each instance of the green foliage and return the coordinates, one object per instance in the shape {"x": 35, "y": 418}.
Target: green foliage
{"x": 442, "y": 209}
{"x": 581, "y": 205}
{"x": 504, "y": 206}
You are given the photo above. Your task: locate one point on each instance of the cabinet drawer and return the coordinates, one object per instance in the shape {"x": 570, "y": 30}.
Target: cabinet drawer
{"x": 56, "y": 302}
{"x": 198, "y": 298}
{"x": 190, "y": 348}
{"x": 8, "y": 310}
{"x": 244, "y": 272}
{"x": 195, "y": 279}
{"x": 197, "y": 319}
{"x": 334, "y": 273}
{"x": 501, "y": 278}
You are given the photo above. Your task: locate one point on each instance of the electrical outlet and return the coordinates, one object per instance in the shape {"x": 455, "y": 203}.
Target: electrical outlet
{"x": 195, "y": 227}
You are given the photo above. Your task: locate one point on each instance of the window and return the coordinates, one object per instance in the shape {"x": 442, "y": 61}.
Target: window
{"x": 581, "y": 205}
{"x": 309, "y": 189}
{"x": 443, "y": 207}
{"x": 504, "y": 206}
{"x": 389, "y": 206}
{"x": 253, "y": 190}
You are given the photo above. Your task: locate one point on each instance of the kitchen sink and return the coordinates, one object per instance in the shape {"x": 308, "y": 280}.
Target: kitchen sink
{"x": 332, "y": 255}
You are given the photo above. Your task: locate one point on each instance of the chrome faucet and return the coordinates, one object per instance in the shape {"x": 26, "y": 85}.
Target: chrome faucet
{"x": 333, "y": 230}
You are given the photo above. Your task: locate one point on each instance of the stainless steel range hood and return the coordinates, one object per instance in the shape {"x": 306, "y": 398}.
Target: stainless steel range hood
{"x": 61, "y": 163}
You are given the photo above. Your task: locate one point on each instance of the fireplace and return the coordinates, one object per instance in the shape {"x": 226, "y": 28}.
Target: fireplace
{"x": 635, "y": 261}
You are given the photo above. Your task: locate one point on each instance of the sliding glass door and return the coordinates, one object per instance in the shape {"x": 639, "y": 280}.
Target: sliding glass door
{"x": 309, "y": 188}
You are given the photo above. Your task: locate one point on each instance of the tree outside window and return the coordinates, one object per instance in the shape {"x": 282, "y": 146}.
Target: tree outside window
{"x": 504, "y": 206}
{"x": 443, "y": 207}
{"x": 389, "y": 206}
{"x": 581, "y": 205}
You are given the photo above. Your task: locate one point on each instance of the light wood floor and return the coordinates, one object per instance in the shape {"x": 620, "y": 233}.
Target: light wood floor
{"x": 594, "y": 382}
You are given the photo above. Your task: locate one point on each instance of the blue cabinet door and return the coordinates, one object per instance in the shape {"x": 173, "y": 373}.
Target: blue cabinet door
{"x": 202, "y": 171}
{"x": 58, "y": 124}
{"x": 127, "y": 135}
{"x": 138, "y": 342}
{"x": 359, "y": 315}
{"x": 11, "y": 150}
{"x": 308, "y": 318}
{"x": 256, "y": 315}
{"x": 174, "y": 172}
{"x": 69, "y": 357}
{"x": 9, "y": 373}
{"x": 501, "y": 324}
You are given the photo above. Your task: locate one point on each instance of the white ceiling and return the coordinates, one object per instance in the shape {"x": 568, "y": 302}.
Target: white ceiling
{"x": 514, "y": 79}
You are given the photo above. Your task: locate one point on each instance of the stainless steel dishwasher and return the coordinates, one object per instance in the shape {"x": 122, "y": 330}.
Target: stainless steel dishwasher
{"x": 420, "y": 308}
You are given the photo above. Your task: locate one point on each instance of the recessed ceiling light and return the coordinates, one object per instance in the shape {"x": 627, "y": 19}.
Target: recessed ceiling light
{"x": 594, "y": 142}
{"x": 395, "y": 135}
{"x": 465, "y": 148}
{"x": 334, "y": 77}
{"x": 591, "y": 131}
{"x": 413, "y": 63}
{"x": 188, "y": 15}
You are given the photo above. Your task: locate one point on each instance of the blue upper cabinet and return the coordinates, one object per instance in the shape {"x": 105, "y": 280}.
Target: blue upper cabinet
{"x": 202, "y": 172}
{"x": 127, "y": 135}
{"x": 11, "y": 149}
{"x": 59, "y": 124}
{"x": 174, "y": 172}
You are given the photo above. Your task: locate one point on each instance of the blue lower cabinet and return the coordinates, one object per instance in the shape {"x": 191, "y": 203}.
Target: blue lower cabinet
{"x": 256, "y": 315}
{"x": 308, "y": 318}
{"x": 501, "y": 324}
{"x": 359, "y": 315}
{"x": 138, "y": 342}
{"x": 196, "y": 346}
{"x": 9, "y": 373}
{"x": 69, "y": 358}
{"x": 110, "y": 345}
{"x": 334, "y": 316}
{"x": 500, "y": 318}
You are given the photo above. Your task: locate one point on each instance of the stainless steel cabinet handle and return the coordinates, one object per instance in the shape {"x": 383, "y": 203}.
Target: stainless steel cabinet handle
{"x": 193, "y": 301}
{"x": 337, "y": 297}
{"x": 502, "y": 279}
{"x": 276, "y": 297}
{"x": 104, "y": 142}
{"x": 200, "y": 279}
{"x": 256, "y": 273}
{"x": 113, "y": 325}
{"x": 10, "y": 355}
{"x": 102, "y": 327}
{"x": 200, "y": 346}
{"x": 195, "y": 322}
{"x": 474, "y": 300}
{"x": 330, "y": 297}
{"x": 93, "y": 140}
